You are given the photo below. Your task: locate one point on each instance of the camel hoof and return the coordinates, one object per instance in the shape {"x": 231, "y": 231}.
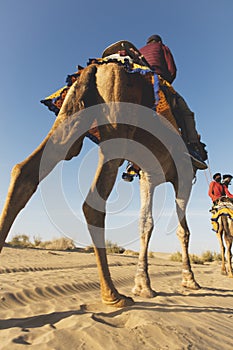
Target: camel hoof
{"x": 136, "y": 291}
{"x": 230, "y": 276}
{"x": 122, "y": 301}
{"x": 224, "y": 273}
{"x": 148, "y": 293}
{"x": 144, "y": 292}
{"x": 191, "y": 285}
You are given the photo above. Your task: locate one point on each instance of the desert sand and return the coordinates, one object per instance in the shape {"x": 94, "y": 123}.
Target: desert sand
{"x": 51, "y": 301}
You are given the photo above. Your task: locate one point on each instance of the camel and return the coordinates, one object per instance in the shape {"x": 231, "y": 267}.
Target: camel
{"x": 225, "y": 233}
{"x": 121, "y": 105}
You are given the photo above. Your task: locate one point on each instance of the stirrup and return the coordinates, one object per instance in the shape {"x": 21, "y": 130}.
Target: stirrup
{"x": 127, "y": 177}
{"x": 130, "y": 173}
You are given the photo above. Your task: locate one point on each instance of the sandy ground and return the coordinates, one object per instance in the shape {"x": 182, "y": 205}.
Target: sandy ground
{"x": 51, "y": 300}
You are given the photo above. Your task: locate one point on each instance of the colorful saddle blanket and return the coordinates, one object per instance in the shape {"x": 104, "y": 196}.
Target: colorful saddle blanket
{"x": 222, "y": 208}
{"x": 123, "y": 53}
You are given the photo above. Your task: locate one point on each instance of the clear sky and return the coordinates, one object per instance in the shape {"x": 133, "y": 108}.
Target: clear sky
{"x": 43, "y": 41}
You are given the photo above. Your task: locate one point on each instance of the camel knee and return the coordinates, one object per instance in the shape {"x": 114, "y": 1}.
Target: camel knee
{"x": 25, "y": 175}
{"x": 86, "y": 210}
{"x": 24, "y": 182}
{"x": 184, "y": 239}
{"x": 147, "y": 226}
{"x": 95, "y": 221}
{"x": 183, "y": 233}
{"x": 74, "y": 149}
{"x": 93, "y": 216}
{"x": 16, "y": 170}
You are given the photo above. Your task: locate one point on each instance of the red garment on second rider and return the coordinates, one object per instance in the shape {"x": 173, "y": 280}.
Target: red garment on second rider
{"x": 160, "y": 60}
{"x": 227, "y": 193}
{"x": 216, "y": 190}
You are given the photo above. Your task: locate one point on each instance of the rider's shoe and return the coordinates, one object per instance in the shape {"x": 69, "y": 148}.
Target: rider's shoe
{"x": 196, "y": 158}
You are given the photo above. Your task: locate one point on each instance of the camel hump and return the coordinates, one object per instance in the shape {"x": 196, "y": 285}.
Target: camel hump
{"x": 119, "y": 46}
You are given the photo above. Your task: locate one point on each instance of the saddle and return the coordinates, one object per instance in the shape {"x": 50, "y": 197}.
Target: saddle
{"x": 222, "y": 202}
{"x": 121, "y": 52}
{"x": 224, "y": 206}
{"x": 125, "y": 49}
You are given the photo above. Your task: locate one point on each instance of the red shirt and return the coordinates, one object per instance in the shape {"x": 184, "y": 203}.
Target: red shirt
{"x": 160, "y": 59}
{"x": 216, "y": 190}
{"x": 227, "y": 193}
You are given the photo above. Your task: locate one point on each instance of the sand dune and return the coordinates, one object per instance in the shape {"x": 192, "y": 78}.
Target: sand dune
{"x": 51, "y": 300}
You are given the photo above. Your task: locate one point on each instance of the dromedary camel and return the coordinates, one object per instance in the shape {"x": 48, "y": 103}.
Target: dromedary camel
{"x": 225, "y": 233}
{"x": 120, "y": 103}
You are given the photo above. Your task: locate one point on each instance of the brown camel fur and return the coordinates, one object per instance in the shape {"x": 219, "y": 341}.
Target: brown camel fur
{"x": 225, "y": 233}
{"x": 160, "y": 154}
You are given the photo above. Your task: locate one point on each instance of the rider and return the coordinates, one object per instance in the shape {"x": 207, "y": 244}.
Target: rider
{"x": 216, "y": 189}
{"x": 162, "y": 62}
{"x": 226, "y": 181}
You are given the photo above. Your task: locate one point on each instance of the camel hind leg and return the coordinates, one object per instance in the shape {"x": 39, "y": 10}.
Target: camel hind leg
{"x": 222, "y": 249}
{"x": 94, "y": 209}
{"x": 228, "y": 241}
{"x": 226, "y": 222}
{"x": 183, "y": 234}
{"x": 142, "y": 285}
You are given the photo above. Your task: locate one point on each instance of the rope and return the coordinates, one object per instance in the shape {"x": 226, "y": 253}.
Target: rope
{"x": 207, "y": 180}
{"x": 209, "y": 172}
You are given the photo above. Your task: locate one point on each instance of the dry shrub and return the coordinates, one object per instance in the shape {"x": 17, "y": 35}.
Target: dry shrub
{"x": 89, "y": 249}
{"x": 58, "y": 244}
{"x": 21, "y": 241}
{"x": 176, "y": 257}
{"x": 207, "y": 256}
{"x": 195, "y": 259}
{"x": 37, "y": 241}
{"x": 150, "y": 255}
{"x": 111, "y": 248}
{"x": 217, "y": 256}
{"x": 130, "y": 252}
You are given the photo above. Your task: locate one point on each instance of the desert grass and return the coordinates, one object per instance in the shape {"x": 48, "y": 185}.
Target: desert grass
{"x": 205, "y": 257}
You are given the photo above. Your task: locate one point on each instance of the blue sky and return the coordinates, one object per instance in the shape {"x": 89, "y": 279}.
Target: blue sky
{"x": 43, "y": 41}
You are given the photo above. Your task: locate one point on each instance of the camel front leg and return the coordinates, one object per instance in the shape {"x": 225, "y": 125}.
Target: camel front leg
{"x": 142, "y": 285}
{"x": 26, "y": 176}
{"x": 183, "y": 234}
{"x": 24, "y": 181}
{"x": 94, "y": 210}
{"x": 64, "y": 141}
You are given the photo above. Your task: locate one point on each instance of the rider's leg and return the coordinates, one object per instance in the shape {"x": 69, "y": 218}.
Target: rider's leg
{"x": 186, "y": 121}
